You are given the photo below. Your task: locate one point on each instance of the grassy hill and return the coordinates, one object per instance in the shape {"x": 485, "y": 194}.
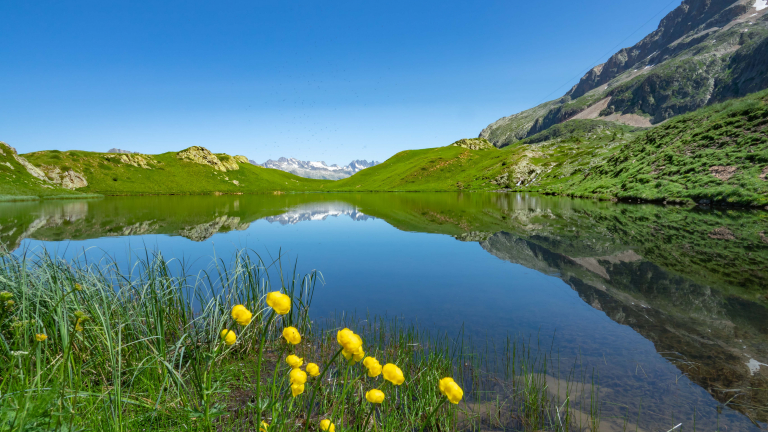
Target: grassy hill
{"x": 17, "y": 183}
{"x": 116, "y": 174}
{"x": 718, "y": 153}
{"x": 562, "y": 152}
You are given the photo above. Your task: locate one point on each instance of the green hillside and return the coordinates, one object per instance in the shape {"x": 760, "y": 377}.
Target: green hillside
{"x": 17, "y": 183}
{"x": 718, "y": 153}
{"x": 563, "y": 152}
{"x": 117, "y": 174}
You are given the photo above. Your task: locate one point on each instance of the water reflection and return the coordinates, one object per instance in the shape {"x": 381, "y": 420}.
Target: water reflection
{"x": 692, "y": 282}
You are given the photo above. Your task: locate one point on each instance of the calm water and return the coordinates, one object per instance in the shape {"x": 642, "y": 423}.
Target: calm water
{"x": 670, "y": 304}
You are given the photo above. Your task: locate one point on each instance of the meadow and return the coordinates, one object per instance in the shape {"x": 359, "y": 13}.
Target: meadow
{"x": 92, "y": 346}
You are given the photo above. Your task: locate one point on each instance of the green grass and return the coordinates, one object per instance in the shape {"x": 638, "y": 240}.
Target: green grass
{"x": 17, "y": 184}
{"x": 166, "y": 174}
{"x": 140, "y": 350}
{"x": 674, "y": 161}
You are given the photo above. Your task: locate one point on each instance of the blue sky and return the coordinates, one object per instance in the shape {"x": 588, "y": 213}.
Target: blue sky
{"x": 316, "y": 80}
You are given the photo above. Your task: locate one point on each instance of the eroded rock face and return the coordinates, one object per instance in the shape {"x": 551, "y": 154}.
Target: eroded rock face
{"x": 69, "y": 179}
{"x": 474, "y": 143}
{"x": 35, "y": 171}
{"x": 136, "y": 160}
{"x": 202, "y": 156}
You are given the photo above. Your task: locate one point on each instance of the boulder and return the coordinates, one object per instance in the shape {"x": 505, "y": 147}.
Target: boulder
{"x": 474, "y": 144}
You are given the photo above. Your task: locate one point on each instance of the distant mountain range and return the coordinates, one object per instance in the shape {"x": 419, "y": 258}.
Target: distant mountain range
{"x": 316, "y": 170}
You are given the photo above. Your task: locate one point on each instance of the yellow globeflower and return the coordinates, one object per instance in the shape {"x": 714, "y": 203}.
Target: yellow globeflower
{"x": 373, "y": 366}
{"x": 78, "y": 287}
{"x": 294, "y": 361}
{"x": 264, "y": 426}
{"x": 228, "y": 336}
{"x": 40, "y": 337}
{"x": 297, "y": 389}
{"x": 326, "y": 425}
{"x": 313, "y": 369}
{"x": 393, "y": 374}
{"x": 349, "y": 341}
{"x": 451, "y": 390}
{"x": 291, "y": 335}
{"x": 297, "y": 376}
{"x": 374, "y": 396}
{"x": 241, "y": 315}
{"x": 280, "y": 302}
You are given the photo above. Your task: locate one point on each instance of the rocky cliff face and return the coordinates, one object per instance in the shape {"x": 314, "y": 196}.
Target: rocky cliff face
{"x": 203, "y": 156}
{"x": 703, "y": 52}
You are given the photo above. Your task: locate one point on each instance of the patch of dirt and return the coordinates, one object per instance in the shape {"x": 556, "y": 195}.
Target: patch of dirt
{"x": 764, "y": 174}
{"x": 594, "y": 111}
{"x": 723, "y": 172}
{"x": 722, "y": 233}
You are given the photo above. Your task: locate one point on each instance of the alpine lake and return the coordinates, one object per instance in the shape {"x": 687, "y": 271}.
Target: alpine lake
{"x": 666, "y": 307}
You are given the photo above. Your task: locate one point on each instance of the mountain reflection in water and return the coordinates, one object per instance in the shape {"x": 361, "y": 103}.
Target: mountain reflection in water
{"x": 690, "y": 281}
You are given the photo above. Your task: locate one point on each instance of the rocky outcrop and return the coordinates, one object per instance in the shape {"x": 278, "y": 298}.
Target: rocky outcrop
{"x": 221, "y": 162}
{"x": 68, "y": 179}
{"x": 33, "y": 170}
{"x": 474, "y": 144}
{"x": 202, "y": 156}
{"x": 133, "y": 159}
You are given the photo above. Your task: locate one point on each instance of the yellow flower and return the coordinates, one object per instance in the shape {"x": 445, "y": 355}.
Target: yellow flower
{"x": 326, "y": 425}
{"x": 78, "y": 287}
{"x": 280, "y": 302}
{"x": 40, "y": 337}
{"x": 373, "y": 366}
{"x": 313, "y": 369}
{"x": 241, "y": 315}
{"x": 374, "y": 396}
{"x": 294, "y": 361}
{"x": 451, "y": 390}
{"x": 228, "y": 336}
{"x": 297, "y": 389}
{"x": 5, "y": 296}
{"x": 297, "y": 376}
{"x": 264, "y": 426}
{"x": 291, "y": 335}
{"x": 78, "y": 327}
{"x": 393, "y": 374}
{"x": 10, "y": 303}
{"x": 349, "y": 341}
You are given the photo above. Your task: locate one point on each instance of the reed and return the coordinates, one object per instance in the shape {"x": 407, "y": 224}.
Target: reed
{"x": 140, "y": 348}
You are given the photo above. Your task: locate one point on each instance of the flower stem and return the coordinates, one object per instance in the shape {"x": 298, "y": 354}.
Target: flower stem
{"x": 368, "y": 417}
{"x": 317, "y": 385}
{"x": 258, "y": 367}
{"x": 429, "y": 417}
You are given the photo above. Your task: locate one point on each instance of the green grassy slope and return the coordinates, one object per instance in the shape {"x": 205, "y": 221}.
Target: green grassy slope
{"x": 564, "y": 151}
{"x": 16, "y": 183}
{"x": 166, "y": 174}
{"x": 718, "y": 153}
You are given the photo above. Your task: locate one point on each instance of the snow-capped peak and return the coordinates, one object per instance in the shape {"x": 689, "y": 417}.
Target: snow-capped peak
{"x": 317, "y": 169}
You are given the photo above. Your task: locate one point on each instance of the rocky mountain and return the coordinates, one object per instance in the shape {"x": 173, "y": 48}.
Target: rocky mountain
{"x": 121, "y": 151}
{"x": 703, "y": 52}
{"x": 316, "y": 170}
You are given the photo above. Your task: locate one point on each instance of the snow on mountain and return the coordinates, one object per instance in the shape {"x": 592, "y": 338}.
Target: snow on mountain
{"x": 317, "y": 212}
{"x": 316, "y": 169}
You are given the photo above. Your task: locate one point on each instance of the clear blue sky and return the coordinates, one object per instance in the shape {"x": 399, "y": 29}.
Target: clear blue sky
{"x": 317, "y": 80}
